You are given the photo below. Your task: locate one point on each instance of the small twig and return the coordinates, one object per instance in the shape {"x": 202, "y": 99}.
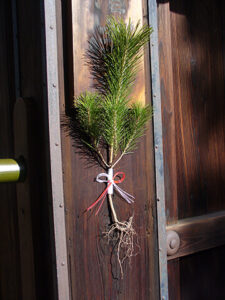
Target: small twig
{"x": 98, "y": 152}
{"x": 102, "y": 158}
{"x": 116, "y": 162}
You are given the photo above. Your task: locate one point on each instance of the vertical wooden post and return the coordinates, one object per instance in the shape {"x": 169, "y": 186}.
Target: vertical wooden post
{"x": 159, "y": 168}
{"x": 169, "y": 135}
{"x": 52, "y": 65}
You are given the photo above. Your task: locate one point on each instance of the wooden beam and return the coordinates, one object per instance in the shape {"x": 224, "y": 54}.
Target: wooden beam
{"x": 199, "y": 233}
{"x": 53, "y": 43}
{"x": 158, "y": 145}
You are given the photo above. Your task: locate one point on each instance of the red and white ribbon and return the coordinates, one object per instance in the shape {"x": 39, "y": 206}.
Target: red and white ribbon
{"x": 112, "y": 183}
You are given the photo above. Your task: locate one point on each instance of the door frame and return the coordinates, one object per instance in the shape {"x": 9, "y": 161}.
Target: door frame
{"x": 54, "y": 73}
{"x": 158, "y": 150}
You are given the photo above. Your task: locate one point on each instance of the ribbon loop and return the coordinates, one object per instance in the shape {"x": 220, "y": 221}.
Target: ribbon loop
{"x": 121, "y": 179}
{"x": 102, "y": 175}
{"x": 112, "y": 183}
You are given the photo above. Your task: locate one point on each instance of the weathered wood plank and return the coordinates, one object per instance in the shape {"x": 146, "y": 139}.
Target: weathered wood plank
{"x": 168, "y": 112}
{"x": 199, "y": 233}
{"x": 158, "y": 146}
{"x": 54, "y": 67}
{"x": 174, "y": 279}
{"x": 202, "y": 275}
{"x": 151, "y": 221}
{"x": 194, "y": 80}
{"x": 198, "y": 77}
{"x": 169, "y": 135}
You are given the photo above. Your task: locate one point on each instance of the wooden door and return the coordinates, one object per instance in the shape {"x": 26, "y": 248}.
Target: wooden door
{"x": 192, "y": 74}
{"x": 27, "y": 260}
{"x": 93, "y": 271}
{"x": 10, "y": 283}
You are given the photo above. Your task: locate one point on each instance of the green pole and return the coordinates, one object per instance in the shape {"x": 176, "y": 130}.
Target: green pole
{"x": 10, "y": 170}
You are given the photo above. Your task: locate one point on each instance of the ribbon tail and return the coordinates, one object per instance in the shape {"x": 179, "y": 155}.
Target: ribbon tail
{"x": 96, "y": 202}
{"x": 129, "y": 198}
{"x": 100, "y": 205}
{"x": 129, "y": 195}
{"x": 101, "y": 197}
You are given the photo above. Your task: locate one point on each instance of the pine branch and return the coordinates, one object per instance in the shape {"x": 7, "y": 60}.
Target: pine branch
{"x": 85, "y": 125}
{"x": 113, "y": 56}
{"x": 105, "y": 119}
{"x": 136, "y": 124}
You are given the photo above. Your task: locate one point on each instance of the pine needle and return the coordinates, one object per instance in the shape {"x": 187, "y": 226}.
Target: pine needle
{"x": 113, "y": 56}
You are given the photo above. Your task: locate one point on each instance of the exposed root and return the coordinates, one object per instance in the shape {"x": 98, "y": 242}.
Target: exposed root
{"x": 126, "y": 242}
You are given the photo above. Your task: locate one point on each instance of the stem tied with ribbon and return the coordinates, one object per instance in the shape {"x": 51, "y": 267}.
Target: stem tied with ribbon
{"x": 111, "y": 184}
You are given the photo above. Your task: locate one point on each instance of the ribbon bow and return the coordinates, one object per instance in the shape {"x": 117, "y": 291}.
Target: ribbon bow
{"x": 112, "y": 183}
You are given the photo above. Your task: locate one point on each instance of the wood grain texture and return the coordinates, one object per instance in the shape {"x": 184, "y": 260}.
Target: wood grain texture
{"x": 203, "y": 275}
{"x": 199, "y": 233}
{"x": 94, "y": 274}
{"x": 151, "y": 226}
{"x": 198, "y": 77}
{"x": 169, "y": 135}
{"x": 168, "y": 112}
{"x": 192, "y": 83}
{"x": 174, "y": 279}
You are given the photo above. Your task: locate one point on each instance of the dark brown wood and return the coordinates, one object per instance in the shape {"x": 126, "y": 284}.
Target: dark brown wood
{"x": 169, "y": 135}
{"x": 202, "y": 275}
{"x": 192, "y": 84}
{"x": 93, "y": 272}
{"x": 31, "y": 55}
{"x": 10, "y": 283}
{"x": 54, "y": 66}
{"x": 174, "y": 279}
{"x": 199, "y": 233}
{"x": 168, "y": 112}
{"x": 22, "y": 139}
{"x": 198, "y": 64}
{"x": 28, "y": 81}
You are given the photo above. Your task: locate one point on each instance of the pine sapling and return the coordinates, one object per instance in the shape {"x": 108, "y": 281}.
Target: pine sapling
{"x": 105, "y": 123}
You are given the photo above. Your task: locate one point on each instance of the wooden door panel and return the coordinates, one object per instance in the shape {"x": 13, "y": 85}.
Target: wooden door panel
{"x": 10, "y": 284}
{"x": 203, "y": 275}
{"x": 194, "y": 84}
{"x": 198, "y": 74}
{"x": 192, "y": 70}
{"x": 26, "y": 260}
{"x": 93, "y": 272}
